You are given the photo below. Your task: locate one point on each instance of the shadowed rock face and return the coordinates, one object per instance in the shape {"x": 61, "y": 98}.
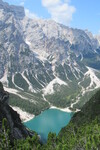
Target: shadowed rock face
{"x": 13, "y": 120}
{"x": 4, "y": 96}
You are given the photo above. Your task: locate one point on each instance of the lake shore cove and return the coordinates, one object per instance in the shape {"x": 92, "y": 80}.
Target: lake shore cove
{"x": 51, "y": 120}
{"x": 25, "y": 116}
{"x": 82, "y": 132}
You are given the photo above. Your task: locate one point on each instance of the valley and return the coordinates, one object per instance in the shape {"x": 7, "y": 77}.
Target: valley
{"x": 49, "y": 76}
{"x": 45, "y": 67}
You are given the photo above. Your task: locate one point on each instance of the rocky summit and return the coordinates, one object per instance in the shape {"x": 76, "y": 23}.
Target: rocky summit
{"x": 44, "y": 63}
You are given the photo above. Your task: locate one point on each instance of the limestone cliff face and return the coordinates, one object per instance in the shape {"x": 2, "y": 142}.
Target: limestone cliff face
{"x": 17, "y": 11}
{"x": 51, "y": 60}
{"x": 13, "y": 120}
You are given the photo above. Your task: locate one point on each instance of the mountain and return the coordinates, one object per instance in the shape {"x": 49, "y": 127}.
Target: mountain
{"x": 98, "y": 38}
{"x": 44, "y": 63}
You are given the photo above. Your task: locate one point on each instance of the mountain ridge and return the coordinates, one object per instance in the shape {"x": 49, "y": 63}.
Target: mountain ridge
{"x": 41, "y": 54}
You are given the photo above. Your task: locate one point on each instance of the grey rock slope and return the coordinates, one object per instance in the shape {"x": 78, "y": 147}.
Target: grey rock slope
{"x": 17, "y": 129}
{"x": 44, "y": 63}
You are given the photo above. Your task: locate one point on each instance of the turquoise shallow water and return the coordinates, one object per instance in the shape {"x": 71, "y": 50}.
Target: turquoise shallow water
{"x": 51, "y": 120}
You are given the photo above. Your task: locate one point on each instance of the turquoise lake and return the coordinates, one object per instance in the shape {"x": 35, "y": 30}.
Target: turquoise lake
{"x": 51, "y": 120}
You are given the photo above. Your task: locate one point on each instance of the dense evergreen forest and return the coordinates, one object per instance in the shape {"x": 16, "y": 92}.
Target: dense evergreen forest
{"x": 82, "y": 133}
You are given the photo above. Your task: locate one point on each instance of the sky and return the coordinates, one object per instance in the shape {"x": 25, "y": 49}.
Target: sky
{"x": 81, "y": 14}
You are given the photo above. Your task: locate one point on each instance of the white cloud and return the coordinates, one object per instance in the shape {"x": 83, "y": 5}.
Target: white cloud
{"x": 60, "y": 10}
{"x": 30, "y": 15}
{"x": 49, "y": 3}
{"x": 22, "y": 3}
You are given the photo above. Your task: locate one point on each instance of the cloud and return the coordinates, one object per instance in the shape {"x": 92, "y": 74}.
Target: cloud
{"x": 30, "y": 14}
{"x": 22, "y": 3}
{"x": 50, "y": 3}
{"x": 99, "y": 31}
{"x": 60, "y": 10}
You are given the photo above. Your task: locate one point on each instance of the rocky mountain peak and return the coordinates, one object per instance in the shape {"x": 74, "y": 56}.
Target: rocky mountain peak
{"x": 1, "y": 1}
{"x": 17, "y": 11}
{"x": 47, "y": 57}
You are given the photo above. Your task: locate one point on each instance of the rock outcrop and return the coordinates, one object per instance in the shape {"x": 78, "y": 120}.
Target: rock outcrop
{"x": 17, "y": 129}
{"x": 56, "y": 64}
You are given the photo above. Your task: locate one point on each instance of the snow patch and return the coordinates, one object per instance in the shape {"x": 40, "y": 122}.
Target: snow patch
{"x": 41, "y": 55}
{"x": 81, "y": 56}
{"x": 27, "y": 42}
{"x": 41, "y": 58}
{"x": 94, "y": 79}
{"x": 49, "y": 88}
{"x": 14, "y": 91}
{"x": 94, "y": 84}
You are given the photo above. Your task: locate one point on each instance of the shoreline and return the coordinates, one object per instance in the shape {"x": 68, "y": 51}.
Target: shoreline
{"x": 24, "y": 116}
{"x": 28, "y": 119}
{"x": 67, "y": 110}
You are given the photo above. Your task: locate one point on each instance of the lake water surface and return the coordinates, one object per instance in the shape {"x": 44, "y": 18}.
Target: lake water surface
{"x": 51, "y": 120}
